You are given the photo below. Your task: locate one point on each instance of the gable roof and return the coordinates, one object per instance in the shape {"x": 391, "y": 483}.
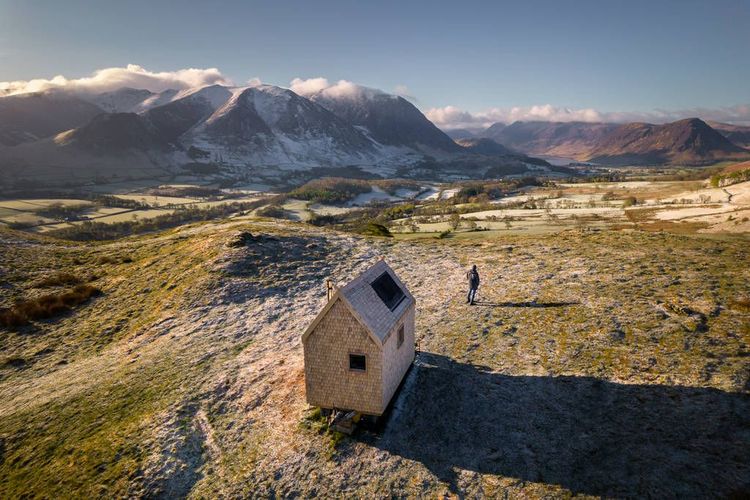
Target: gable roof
{"x": 365, "y": 304}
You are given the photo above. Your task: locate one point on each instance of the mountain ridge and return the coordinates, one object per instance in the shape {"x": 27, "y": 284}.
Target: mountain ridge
{"x": 689, "y": 141}
{"x": 738, "y": 134}
{"x": 255, "y": 125}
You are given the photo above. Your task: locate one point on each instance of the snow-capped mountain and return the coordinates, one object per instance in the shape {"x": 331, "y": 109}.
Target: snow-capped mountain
{"x": 185, "y": 110}
{"x": 267, "y": 124}
{"x": 129, "y": 100}
{"x": 124, "y": 100}
{"x": 253, "y": 126}
{"x": 389, "y": 119}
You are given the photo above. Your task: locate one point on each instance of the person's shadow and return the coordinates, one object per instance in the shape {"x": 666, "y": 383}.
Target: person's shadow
{"x": 524, "y": 304}
{"x": 585, "y": 434}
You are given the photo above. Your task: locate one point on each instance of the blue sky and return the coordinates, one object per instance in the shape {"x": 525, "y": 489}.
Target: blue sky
{"x": 616, "y": 55}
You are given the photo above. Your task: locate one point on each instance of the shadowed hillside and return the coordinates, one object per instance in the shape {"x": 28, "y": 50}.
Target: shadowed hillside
{"x": 684, "y": 142}
{"x": 585, "y": 434}
{"x": 690, "y": 142}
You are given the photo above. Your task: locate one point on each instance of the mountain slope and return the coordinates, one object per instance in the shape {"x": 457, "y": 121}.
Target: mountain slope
{"x": 738, "y": 134}
{"x": 484, "y": 146}
{"x": 30, "y": 117}
{"x": 460, "y": 133}
{"x": 114, "y": 133}
{"x": 124, "y": 100}
{"x": 389, "y": 119}
{"x": 270, "y": 124}
{"x": 566, "y": 139}
{"x": 130, "y": 100}
{"x": 175, "y": 118}
{"x": 690, "y": 141}
{"x": 494, "y": 131}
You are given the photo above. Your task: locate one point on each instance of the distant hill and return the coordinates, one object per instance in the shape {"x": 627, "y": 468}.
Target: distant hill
{"x": 494, "y": 131}
{"x": 461, "y": 133}
{"x": 738, "y": 134}
{"x": 31, "y": 117}
{"x": 484, "y": 146}
{"x": 737, "y": 167}
{"x": 566, "y": 139}
{"x": 690, "y": 142}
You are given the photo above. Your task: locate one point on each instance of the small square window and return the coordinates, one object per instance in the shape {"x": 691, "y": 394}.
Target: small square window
{"x": 400, "y": 336}
{"x": 358, "y": 362}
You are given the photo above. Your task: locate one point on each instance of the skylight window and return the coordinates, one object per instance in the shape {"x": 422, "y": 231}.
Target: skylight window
{"x": 388, "y": 291}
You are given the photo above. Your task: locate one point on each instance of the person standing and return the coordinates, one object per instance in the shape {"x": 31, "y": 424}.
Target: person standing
{"x": 473, "y": 277}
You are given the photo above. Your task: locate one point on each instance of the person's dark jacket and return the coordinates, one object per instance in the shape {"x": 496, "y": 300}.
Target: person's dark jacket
{"x": 473, "y": 277}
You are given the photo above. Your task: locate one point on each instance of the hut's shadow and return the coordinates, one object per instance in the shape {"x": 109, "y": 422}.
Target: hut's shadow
{"x": 585, "y": 434}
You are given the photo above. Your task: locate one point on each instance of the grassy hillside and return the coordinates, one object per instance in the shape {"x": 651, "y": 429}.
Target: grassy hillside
{"x": 593, "y": 358}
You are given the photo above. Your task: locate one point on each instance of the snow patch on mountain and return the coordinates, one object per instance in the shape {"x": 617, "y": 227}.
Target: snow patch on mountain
{"x": 215, "y": 95}
{"x": 228, "y": 105}
{"x": 124, "y": 100}
{"x": 156, "y": 100}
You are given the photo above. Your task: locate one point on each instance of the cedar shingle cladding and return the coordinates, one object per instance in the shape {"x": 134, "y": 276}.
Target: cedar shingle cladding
{"x": 356, "y": 321}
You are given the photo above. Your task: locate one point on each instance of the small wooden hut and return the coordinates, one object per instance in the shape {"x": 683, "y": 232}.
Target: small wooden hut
{"x": 361, "y": 344}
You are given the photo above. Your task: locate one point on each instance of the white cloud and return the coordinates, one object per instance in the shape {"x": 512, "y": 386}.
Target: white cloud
{"x": 448, "y": 117}
{"x": 340, "y": 90}
{"x": 309, "y": 86}
{"x": 132, "y": 75}
{"x": 254, "y": 81}
{"x": 403, "y": 91}
{"x": 451, "y": 117}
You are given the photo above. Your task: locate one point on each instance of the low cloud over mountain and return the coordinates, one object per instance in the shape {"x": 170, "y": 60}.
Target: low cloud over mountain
{"x": 447, "y": 117}
{"x": 451, "y": 117}
{"x": 110, "y": 79}
{"x": 241, "y": 127}
{"x": 177, "y": 117}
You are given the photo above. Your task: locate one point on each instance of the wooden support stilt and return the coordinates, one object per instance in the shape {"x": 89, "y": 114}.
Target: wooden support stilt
{"x": 344, "y": 422}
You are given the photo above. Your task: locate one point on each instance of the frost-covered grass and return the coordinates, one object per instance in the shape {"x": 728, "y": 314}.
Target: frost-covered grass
{"x": 607, "y": 342}
{"x": 375, "y": 194}
{"x": 132, "y": 215}
{"x": 30, "y": 211}
{"x": 156, "y": 201}
{"x": 25, "y": 218}
{"x": 40, "y": 204}
{"x": 681, "y": 207}
{"x": 186, "y": 378}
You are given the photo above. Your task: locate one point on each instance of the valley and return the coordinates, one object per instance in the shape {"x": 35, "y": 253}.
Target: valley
{"x": 150, "y": 335}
